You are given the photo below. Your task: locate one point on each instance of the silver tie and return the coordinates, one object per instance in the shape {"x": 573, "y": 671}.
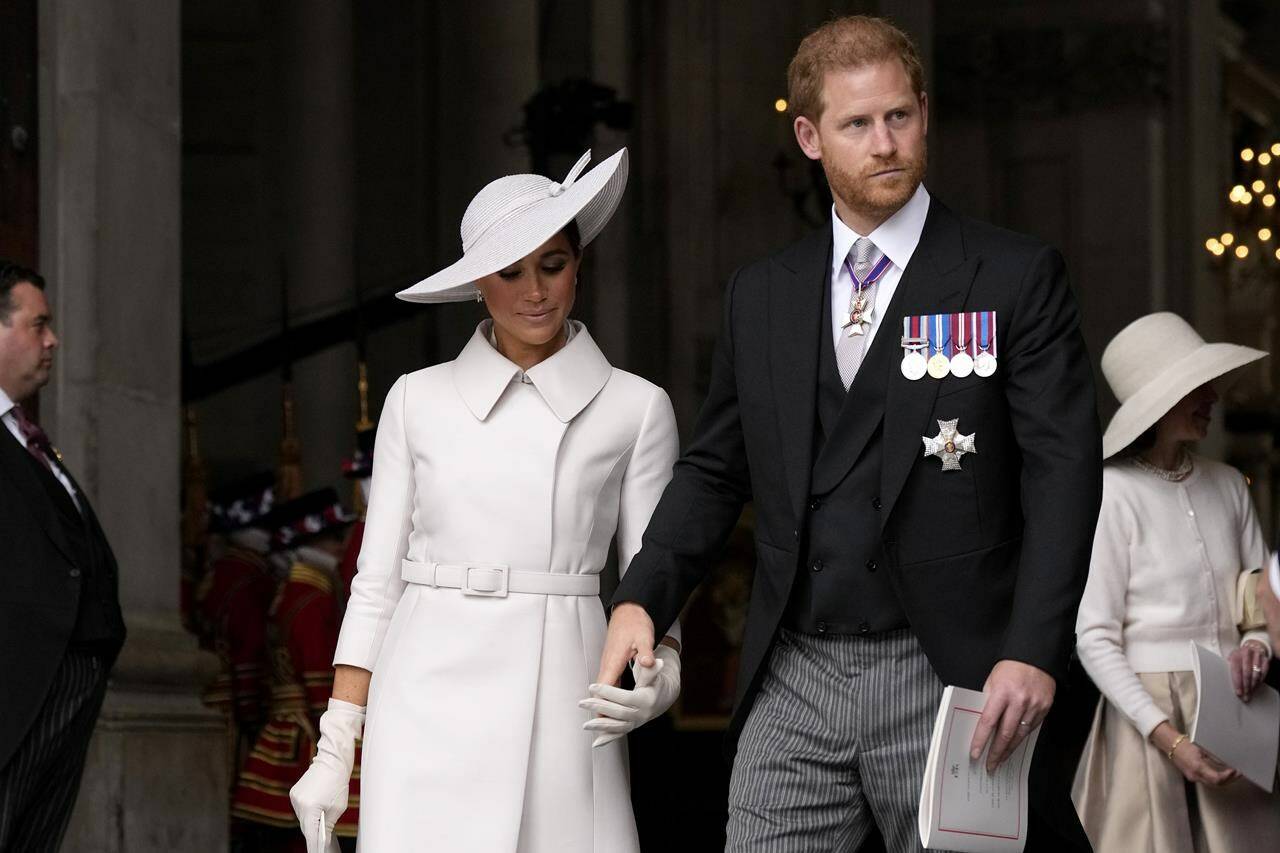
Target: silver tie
{"x": 850, "y": 349}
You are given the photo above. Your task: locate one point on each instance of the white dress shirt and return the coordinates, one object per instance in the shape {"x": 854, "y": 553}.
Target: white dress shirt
{"x": 897, "y": 237}
{"x": 1166, "y": 559}
{"x": 11, "y": 421}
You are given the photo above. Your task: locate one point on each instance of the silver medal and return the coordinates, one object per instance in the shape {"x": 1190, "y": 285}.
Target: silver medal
{"x": 961, "y": 365}
{"x": 914, "y": 366}
{"x": 984, "y": 365}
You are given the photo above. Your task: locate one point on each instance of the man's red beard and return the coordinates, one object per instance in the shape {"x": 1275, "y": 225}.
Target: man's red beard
{"x": 880, "y": 198}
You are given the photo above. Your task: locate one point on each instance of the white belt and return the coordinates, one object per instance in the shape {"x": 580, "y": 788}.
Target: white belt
{"x": 496, "y": 581}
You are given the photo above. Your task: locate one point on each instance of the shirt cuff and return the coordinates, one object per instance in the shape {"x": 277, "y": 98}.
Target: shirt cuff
{"x": 1259, "y": 637}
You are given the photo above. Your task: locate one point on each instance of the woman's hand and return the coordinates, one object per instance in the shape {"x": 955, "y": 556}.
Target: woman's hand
{"x": 621, "y": 711}
{"x": 1192, "y": 762}
{"x": 320, "y": 796}
{"x": 1249, "y": 665}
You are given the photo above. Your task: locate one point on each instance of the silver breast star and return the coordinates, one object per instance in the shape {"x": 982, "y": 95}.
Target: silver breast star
{"x": 949, "y": 445}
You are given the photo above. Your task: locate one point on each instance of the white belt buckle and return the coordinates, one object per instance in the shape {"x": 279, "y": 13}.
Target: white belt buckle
{"x": 486, "y": 581}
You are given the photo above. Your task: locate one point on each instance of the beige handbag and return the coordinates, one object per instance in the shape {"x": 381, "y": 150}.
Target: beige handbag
{"x": 1248, "y": 612}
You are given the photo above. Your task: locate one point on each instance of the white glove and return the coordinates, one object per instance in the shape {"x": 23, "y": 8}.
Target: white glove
{"x": 621, "y": 711}
{"x": 320, "y": 797}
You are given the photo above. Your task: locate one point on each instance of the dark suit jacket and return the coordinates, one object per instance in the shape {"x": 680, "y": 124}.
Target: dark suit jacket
{"x": 49, "y": 552}
{"x": 989, "y": 562}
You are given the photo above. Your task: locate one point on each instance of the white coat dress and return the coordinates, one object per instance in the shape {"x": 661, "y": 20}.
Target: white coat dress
{"x": 473, "y": 739}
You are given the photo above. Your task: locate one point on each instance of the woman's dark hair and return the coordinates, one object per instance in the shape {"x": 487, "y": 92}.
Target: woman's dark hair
{"x": 574, "y": 236}
{"x": 1141, "y": 444}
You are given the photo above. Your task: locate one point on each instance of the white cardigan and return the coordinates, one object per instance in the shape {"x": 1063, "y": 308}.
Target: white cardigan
{"x": 1166, "y": 557}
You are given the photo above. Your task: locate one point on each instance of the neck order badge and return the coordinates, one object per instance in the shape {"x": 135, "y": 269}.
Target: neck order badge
{"x": 861, "y": 309}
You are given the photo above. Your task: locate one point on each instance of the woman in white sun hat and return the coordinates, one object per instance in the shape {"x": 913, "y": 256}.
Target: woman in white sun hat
{"x": 474, "y": 624}
{"x": 1175, "y": 532}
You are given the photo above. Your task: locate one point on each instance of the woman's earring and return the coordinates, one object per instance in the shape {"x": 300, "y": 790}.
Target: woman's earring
{"x": 479, "y": 296}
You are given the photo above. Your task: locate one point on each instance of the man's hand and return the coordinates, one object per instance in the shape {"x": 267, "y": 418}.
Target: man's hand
{"x": 1248, "y": 665}
{"x": 1018, "y": 697}
{"x": 630, "y": 636}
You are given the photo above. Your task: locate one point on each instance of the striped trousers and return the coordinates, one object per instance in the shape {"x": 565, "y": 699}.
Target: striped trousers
{"x": 837, "y": 738}
{"x": 39, "y": 783}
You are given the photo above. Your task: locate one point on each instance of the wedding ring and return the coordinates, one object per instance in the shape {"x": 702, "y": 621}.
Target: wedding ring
{"x": 1023, "y": 723}
{"x": 1257, "y": 670}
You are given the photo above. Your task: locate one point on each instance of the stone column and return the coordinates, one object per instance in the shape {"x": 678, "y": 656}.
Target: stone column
{"x": 109, "y": 238}
{"x": 316, "y": 161}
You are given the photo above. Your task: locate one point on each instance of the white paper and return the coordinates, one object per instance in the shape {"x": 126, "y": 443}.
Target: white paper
{"x": 962, "y": 807}
{"x": 1243, "y": 735}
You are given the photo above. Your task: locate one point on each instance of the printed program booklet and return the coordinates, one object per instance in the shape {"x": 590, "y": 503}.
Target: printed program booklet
{"x": 962, "y": 806}
{"x": 1243, "y": 735}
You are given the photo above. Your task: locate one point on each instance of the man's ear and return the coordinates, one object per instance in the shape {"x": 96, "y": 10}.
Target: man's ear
{"x": 807, "y": 136}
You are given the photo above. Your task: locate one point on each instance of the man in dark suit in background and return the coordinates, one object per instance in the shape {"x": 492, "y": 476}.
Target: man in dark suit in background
{"x": 60, "y": 621}
{"x": 906, "y": 398}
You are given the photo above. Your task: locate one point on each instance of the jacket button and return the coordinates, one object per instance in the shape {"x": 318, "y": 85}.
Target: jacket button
{"x": 817, "y": 565}
{"x": 822, "y": 627}
{"x": 75, "y": 573}
{"x": 876, "y": 505}
{"x": 871, "y": 565}
{"x": 814, "y": 503}
{"x": 864, "y": 628}
{"x": 796, "y": 534}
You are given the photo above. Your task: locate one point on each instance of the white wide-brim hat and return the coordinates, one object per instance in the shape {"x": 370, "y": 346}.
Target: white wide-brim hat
{"x": 514, "y": 215}
{"x": 1153, "y": 363}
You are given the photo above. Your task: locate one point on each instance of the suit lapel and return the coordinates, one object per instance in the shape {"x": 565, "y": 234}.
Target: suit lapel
{"x": 797, "y": 286}
{"x": 19, "y": 470}
{"x": 941, "y": 286}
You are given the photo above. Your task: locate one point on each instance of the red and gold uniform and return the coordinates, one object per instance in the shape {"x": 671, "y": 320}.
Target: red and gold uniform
{"x": 302, "y": 637}
{"x": 232, "y": 605}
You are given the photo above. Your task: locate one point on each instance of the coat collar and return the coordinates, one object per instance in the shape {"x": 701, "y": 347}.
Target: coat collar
{"x": 567, "y": 381}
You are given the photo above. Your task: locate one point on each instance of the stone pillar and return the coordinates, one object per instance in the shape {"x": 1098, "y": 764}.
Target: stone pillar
{"x": 486, "y": 68}
{"x": 316, "y": 160}
{"x": 610, "y": 281}
{"x": 109, "y": 238}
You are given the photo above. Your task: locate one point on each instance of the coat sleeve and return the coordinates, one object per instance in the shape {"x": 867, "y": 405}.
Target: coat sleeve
{"x": 1253, "y": 549}
{"x": 701, "y": 504}
{"x": 1052, "y": 407}
{"x": 1100, "y": 623}
{"x": 647, "y": 474}
{"x": 377, "y": 586}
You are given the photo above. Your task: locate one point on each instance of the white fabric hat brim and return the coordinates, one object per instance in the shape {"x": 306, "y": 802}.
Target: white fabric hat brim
{"x": 591, "y": 200}
{"x": 1154, "y": 400}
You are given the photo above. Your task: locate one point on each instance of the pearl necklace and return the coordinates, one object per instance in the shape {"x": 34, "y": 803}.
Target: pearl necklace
{"x": 1177, "y": 475}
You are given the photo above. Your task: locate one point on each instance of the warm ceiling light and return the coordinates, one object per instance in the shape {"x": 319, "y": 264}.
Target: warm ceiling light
{"x": 1258, "y": 186}
{"x": 1219, "y": 249}
{"x": 1264, "y": 234}
{"x": 1246, "y": 198}
{"x": 1264, "y": 159}
{"x": 1242, "y": 252}
{"x": 780, "y": 105}
{"x": 1275, "y": 149}
{"x": 1210, "y": 243}
{"x": 1268, "y": 200}
{"x": 1228, "y": 238}
{"x": 1246, "y": 155}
